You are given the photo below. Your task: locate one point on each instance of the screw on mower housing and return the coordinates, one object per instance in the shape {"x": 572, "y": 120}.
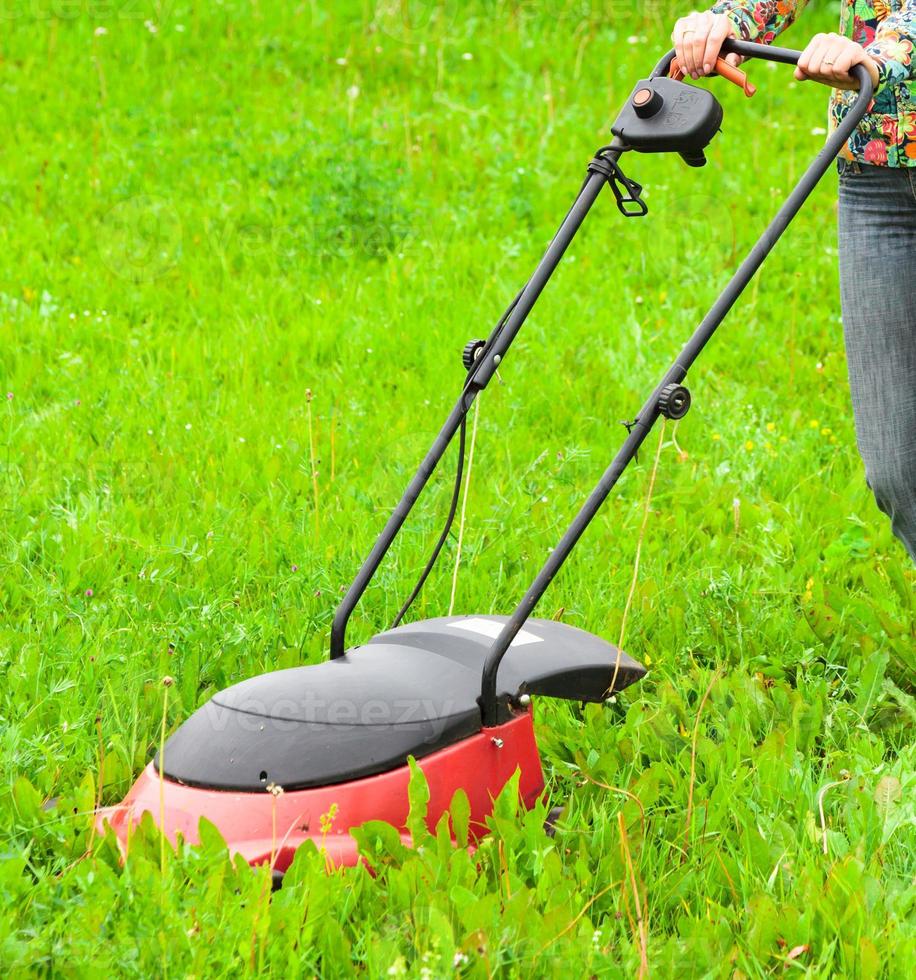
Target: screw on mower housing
{"x": 311, "y": 752}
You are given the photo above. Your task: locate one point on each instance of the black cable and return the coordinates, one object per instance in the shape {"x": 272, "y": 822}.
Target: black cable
{"x": 443, "y": 537}
{"x": 456, "y": 492}
{"x": 462, "y": 433}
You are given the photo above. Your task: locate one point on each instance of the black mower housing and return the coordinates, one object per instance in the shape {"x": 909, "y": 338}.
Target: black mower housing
{"x": 665, "y": 116}
{"x": 408, "y": 691}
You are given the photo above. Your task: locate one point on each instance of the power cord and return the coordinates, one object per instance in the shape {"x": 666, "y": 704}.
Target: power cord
{"x": 462, "y": 431}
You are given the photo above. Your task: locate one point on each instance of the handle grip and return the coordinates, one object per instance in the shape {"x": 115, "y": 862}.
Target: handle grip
{"x": 723, "y": 68}
{"x": 783, "y": 56}
{"x": 765, "y": 52}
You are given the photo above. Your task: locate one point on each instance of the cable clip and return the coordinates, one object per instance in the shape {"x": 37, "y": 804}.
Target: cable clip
{"x": 630, "y": 204}
{"x": 629, "y": 426}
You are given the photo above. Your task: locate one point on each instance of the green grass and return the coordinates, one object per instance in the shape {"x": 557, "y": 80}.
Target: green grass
{"x": 205, "y": 221}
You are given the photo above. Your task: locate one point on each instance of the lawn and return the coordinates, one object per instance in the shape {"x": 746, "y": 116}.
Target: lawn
{"x": 243, "y": 245}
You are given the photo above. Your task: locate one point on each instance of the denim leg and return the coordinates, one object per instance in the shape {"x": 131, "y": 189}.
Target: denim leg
{"x": 877, "y": 240}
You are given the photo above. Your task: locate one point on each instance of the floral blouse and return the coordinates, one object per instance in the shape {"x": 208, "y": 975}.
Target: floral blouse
{"x": 887, "y": 31}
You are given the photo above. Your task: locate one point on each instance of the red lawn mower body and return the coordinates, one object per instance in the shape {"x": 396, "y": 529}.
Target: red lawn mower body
{"x": 481, "y": 765}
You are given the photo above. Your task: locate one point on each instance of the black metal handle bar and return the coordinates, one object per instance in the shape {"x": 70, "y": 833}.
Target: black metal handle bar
{"x": 499, "y": 343}
{"x": 500, "y": 340}
{"x": 677, "y": 372}
{"x": 749, "y": 49}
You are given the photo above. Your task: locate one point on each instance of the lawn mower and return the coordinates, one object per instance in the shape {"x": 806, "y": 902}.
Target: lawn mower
{"x": 313, "y": 751}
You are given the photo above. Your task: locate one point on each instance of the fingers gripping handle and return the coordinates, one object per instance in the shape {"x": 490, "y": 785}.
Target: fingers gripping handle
{"x": 783, "y": 56}
{"x": 788, "y": 56}
{"x": 724, "y": 69}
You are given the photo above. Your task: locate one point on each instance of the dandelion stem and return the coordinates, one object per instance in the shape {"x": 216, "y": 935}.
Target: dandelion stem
{"x": 166, "y": 684}
{"x": 333, "y": 444}
{"x": 693, "y": 765}
{"x": 622, "y": 792}
{"x": 312, "y": 460}
{"x": 635, "y": 579}
{"x": 580, "y": 913}
{"x": 273, "y": 831}
{"x": 101, "y": 779}
{"x": 464, "y": 505}
{"x": 642, "y": 534}
{"x": 641, "y": 924}
{"x": 820, "y": 807}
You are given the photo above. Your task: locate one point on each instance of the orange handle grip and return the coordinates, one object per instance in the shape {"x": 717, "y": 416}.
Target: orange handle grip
{"x": 724, "y": 69}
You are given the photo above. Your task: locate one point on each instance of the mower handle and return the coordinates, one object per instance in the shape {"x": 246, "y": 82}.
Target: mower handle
{"x": 746, "y": 49}
{"x": 651, "y": 410}
{"x": 506, "y": 330}
{"x": 769, "y": 52}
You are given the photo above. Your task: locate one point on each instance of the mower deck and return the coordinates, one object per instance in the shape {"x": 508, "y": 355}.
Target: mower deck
{"x": 341, "y": 732}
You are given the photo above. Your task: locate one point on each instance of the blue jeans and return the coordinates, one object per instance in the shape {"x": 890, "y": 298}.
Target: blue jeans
{"x": 877, "y": 237}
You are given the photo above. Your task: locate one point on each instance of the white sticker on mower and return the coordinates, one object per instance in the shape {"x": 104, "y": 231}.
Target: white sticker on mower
{"x": 488, "y": 627}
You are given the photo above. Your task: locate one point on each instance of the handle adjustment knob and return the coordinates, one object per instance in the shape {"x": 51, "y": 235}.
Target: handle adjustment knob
{"x": 472, "y": 350}
{"x": 674, "y": 401}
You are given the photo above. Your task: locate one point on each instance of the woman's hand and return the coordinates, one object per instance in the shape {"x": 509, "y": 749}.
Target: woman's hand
{"x": 829, "y": 59}
{"x": 698, "y": 38}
